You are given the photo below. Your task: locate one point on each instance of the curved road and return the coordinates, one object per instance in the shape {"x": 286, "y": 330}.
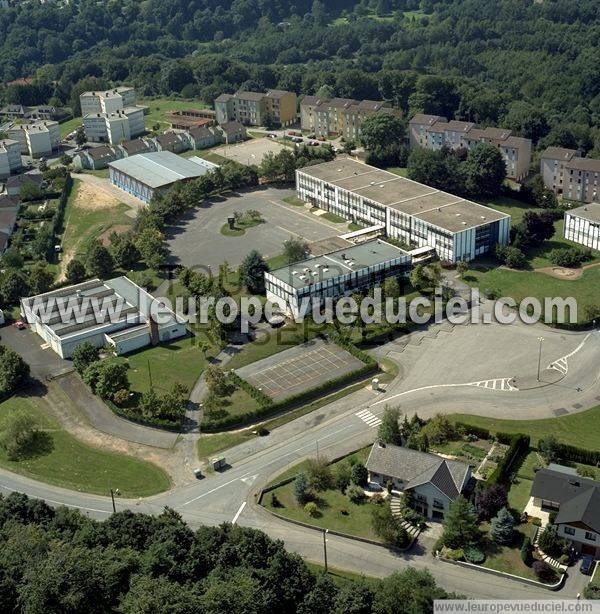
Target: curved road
{"x": 457, "y": 370}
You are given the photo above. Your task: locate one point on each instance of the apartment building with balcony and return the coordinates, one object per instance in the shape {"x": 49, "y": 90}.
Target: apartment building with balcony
{"x": 571, "y": 176}
{"x": 435, "y": 132}
{"x": 36, "y": 139}
{"x": 10, "y": 157}
{"x": 257, "y": 108}
{"x": 339, "y": 116}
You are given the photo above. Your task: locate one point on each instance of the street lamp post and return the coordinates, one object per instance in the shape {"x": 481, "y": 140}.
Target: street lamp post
{"x": 541, "y": 340}
{"x": 325, "y": 531}
{"x": 112, "y": 496}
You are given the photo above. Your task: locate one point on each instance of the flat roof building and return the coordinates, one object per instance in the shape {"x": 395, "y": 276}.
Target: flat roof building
{"x": 127, "y": 324}
{"x": 38, "y": 138}
{"x": 10, "y": 157}
{"x": 582, "y": 225}
{"x": 144, "y": 174}
{"x": 421, "y": 216}
{"x": 257, "y": 108}
{"x": 335, "y": 274}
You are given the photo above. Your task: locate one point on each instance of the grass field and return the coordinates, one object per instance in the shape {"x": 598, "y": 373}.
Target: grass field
{"x": 520, "y": 284}
{"x": 177, "y": 362}
{"x": 70, "y": 125}
{"x": 159, "y": 108}
{"x": 63, "y": 460}
{"x": 209, "y": 445}
{"x": 86, "y": 221}
{"x": 581, "y": 429}
{"x": 294, "y": 200}
{"x": 332, "y": 217}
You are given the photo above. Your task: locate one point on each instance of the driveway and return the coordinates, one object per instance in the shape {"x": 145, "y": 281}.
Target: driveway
{"x": 197, "y": 240}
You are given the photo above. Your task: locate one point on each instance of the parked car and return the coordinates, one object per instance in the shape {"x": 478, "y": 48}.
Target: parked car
{"x": 297, "y": 139}
{"x": 272, "y": 136}
{"x": 312, "y": 135}
{"x": 587, "y": 565}
{"x": 294, "y": 133}
{"x": 20, "y": 325}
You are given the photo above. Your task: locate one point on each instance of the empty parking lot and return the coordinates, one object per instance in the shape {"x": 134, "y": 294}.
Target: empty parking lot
{"x": 299, "y": 369}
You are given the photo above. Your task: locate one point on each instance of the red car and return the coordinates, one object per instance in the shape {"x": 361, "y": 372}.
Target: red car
{"x": 20, "y": 324}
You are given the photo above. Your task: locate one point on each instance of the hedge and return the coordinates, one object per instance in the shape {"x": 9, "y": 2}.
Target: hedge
{"x": 258, "y": 395}
{"x": 519, "y": 444}
{"x": 578, "y": 455}
{"x": 267, "y": 411}
{"x": 132, "y": 416}
{"x": 481, "y": 432}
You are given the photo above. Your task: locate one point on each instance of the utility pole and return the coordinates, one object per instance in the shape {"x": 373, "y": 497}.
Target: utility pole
{"x": 150, "y": 375}
{"x": 112, "y": 496}
{"x": 325, "y": 531}
{"x": 541, "y": 340}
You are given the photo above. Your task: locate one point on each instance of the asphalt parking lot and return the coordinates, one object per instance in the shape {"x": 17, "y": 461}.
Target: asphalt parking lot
{"x": 250, "y": 152}
{"x": 197, "y": 239}
{"x": 299, "y": 369}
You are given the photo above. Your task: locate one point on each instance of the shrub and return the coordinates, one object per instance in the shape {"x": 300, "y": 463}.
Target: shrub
{"x": 301, "y": 488}
{"x": 454, "y": 554}
{"x": 319, "y": 473}
{"x": 275, "y": 501}
{"x": 359, "y": 474}
{"x": 121, "y": 396}
{"x": 549, "y": 542}
{"x": 569, "y": 256}
{"x": 355, "y": 493}
{"x": 342, "y": 476}
{"x": 527, "y": 552}
{"x": 502, "y": 527}
{"x": 536, "y": 522}
{"x": 377, "y": 499}
{"x": 544, "y": 572}
{"x": 311, "y": 509}
{"x": 474, "y": 555}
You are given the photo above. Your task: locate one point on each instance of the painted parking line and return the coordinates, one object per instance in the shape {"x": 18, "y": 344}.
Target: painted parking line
{"x": 502, "y": 384}
{"x": 370, "y": 419}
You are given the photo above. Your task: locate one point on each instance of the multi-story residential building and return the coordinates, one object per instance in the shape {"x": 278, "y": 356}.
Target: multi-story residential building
{"x": 339, "y": 116}
{"x": 582, "y": 225}
{"x": 111, "y": 116}
{"x": 576, "y": 502}
{"x": 10, "y": 157}
{"x": 256, "y": 108}
{"x": 570, "y": 175}
{"x": 114, "y": 127}
{"x": 39, "y": 138}
{"x": 107, "y": 101}
{"x": 435, "y": 132}
{"x": 457, "y": 229}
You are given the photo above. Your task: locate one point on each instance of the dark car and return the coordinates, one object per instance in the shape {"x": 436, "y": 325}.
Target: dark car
{"x": 587, "y": 565}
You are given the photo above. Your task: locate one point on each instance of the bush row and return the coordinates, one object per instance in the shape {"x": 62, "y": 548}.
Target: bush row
{"x": 351, "y": 348}
{"x": 578, "y": 455}
{"x": 133, "y": 416}
{"x": 519, "y": 444}
{"x": 267, "y": 411}
{"x": 258, "y": 395}
{"x": 481, "y": 432}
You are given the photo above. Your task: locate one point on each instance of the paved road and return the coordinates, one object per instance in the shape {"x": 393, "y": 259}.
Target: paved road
{"x": 197, "y": 241}
{"x": 336, "y": 429}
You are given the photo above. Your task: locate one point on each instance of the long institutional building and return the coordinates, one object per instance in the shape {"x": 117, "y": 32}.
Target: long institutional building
{"x": 435, "y": 132}
{"x": 582, "y": 225}
{"x": 416, "y": 214}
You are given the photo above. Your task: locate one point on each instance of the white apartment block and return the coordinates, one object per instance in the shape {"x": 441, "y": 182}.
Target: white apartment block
{"x": 107, "y": 101}
{"x": 339, "y": 116}
{"x": 571, "y": 176}
{"x": 582, "y": 225}
{"x": 457, "y": 229}
{"x": 435, "y": 132}
{"x": 10, "y": 157}
{"x": 36, "y": 139}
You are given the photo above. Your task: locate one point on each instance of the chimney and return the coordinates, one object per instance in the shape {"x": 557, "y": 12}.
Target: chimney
{"x": 154, "y": 338}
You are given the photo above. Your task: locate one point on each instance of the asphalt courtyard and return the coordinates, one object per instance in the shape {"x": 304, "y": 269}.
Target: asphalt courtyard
{"x": 299, "y": 369}
{"x": 197, "y": 240}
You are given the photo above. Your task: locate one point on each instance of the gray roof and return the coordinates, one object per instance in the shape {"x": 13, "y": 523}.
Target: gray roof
{"x": 254, "y": 96}
{"x": 578, "y": 497}
{"x": 584, "y": 164}
{"x": 340, "y": 262}
{"x": 416, "y": 468}
{"x": 101, "y": 153}
{"x": 19, "y": 180}
{"x": 8, "y": 218}
{"x": 429, "y": 120}
{"x": 558, "y": 153}
{"x": 232, "y": 126}
{"x": 135, "y": 146}
{"x": 158, "y": 168}
{"x": 8, "y": 201}
{"x": 590, "y": 212}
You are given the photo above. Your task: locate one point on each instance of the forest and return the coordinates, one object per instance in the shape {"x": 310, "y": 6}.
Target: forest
{"x": 530, "y": 65}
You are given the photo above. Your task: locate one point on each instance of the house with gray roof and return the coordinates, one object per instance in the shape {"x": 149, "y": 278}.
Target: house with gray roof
{"x": 434, "y": 482}
{"x": 576, "y": 502}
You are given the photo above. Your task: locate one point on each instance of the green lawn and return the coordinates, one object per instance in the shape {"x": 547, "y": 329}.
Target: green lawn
{"x": 332, "y": 217}
{"x": 294, "y": 200}
{"x": 581, "y": 429}
{"x": 331, "y": 503}
{"x": 519, "y": 493}
{"x": 84, "y": 224}
{"x": 63, "y": 460}
{"x": 237, "y": 403}
{"x": 520, "y": 284}
{"x": 158, "y": 110}
{"x": 179, "y": 361}
{"x": 211, "y": 156}
{"x": 240, "y": 227}
{"x": 341, "y": 577}
{"x": 209, "y": 445}
{"x": 103, "y": 172}
{"x": 70, "y": 125}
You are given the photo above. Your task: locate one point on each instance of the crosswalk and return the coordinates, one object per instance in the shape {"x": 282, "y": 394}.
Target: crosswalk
{"x": 495, "y": 384}
{"x": 560, "y": 365}
{"x": 371, "y": 419}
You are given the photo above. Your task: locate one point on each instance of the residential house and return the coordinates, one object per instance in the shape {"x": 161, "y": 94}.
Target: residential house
{"x": 576, "y": 502}
{"x": 433, "y": 481}
{"x": 10, "y": 157}
{"x": 135, "y": 146}
{"x": 339, "y": 116}
{"x": 37, "y": 138}
{"x": 15, "y": 183}
{"x": 9, "y": 210}
{"x": 571, "y": 176}
{"x": 232, "y": 132}
{"x": 202, "y": 137}
{"x": 275, "y": 107}
{"x": 13, "y": 111}
{"x": 434, "y": 132}
{"x": 171, "y": 141}
{"x": 95, "y": 158}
